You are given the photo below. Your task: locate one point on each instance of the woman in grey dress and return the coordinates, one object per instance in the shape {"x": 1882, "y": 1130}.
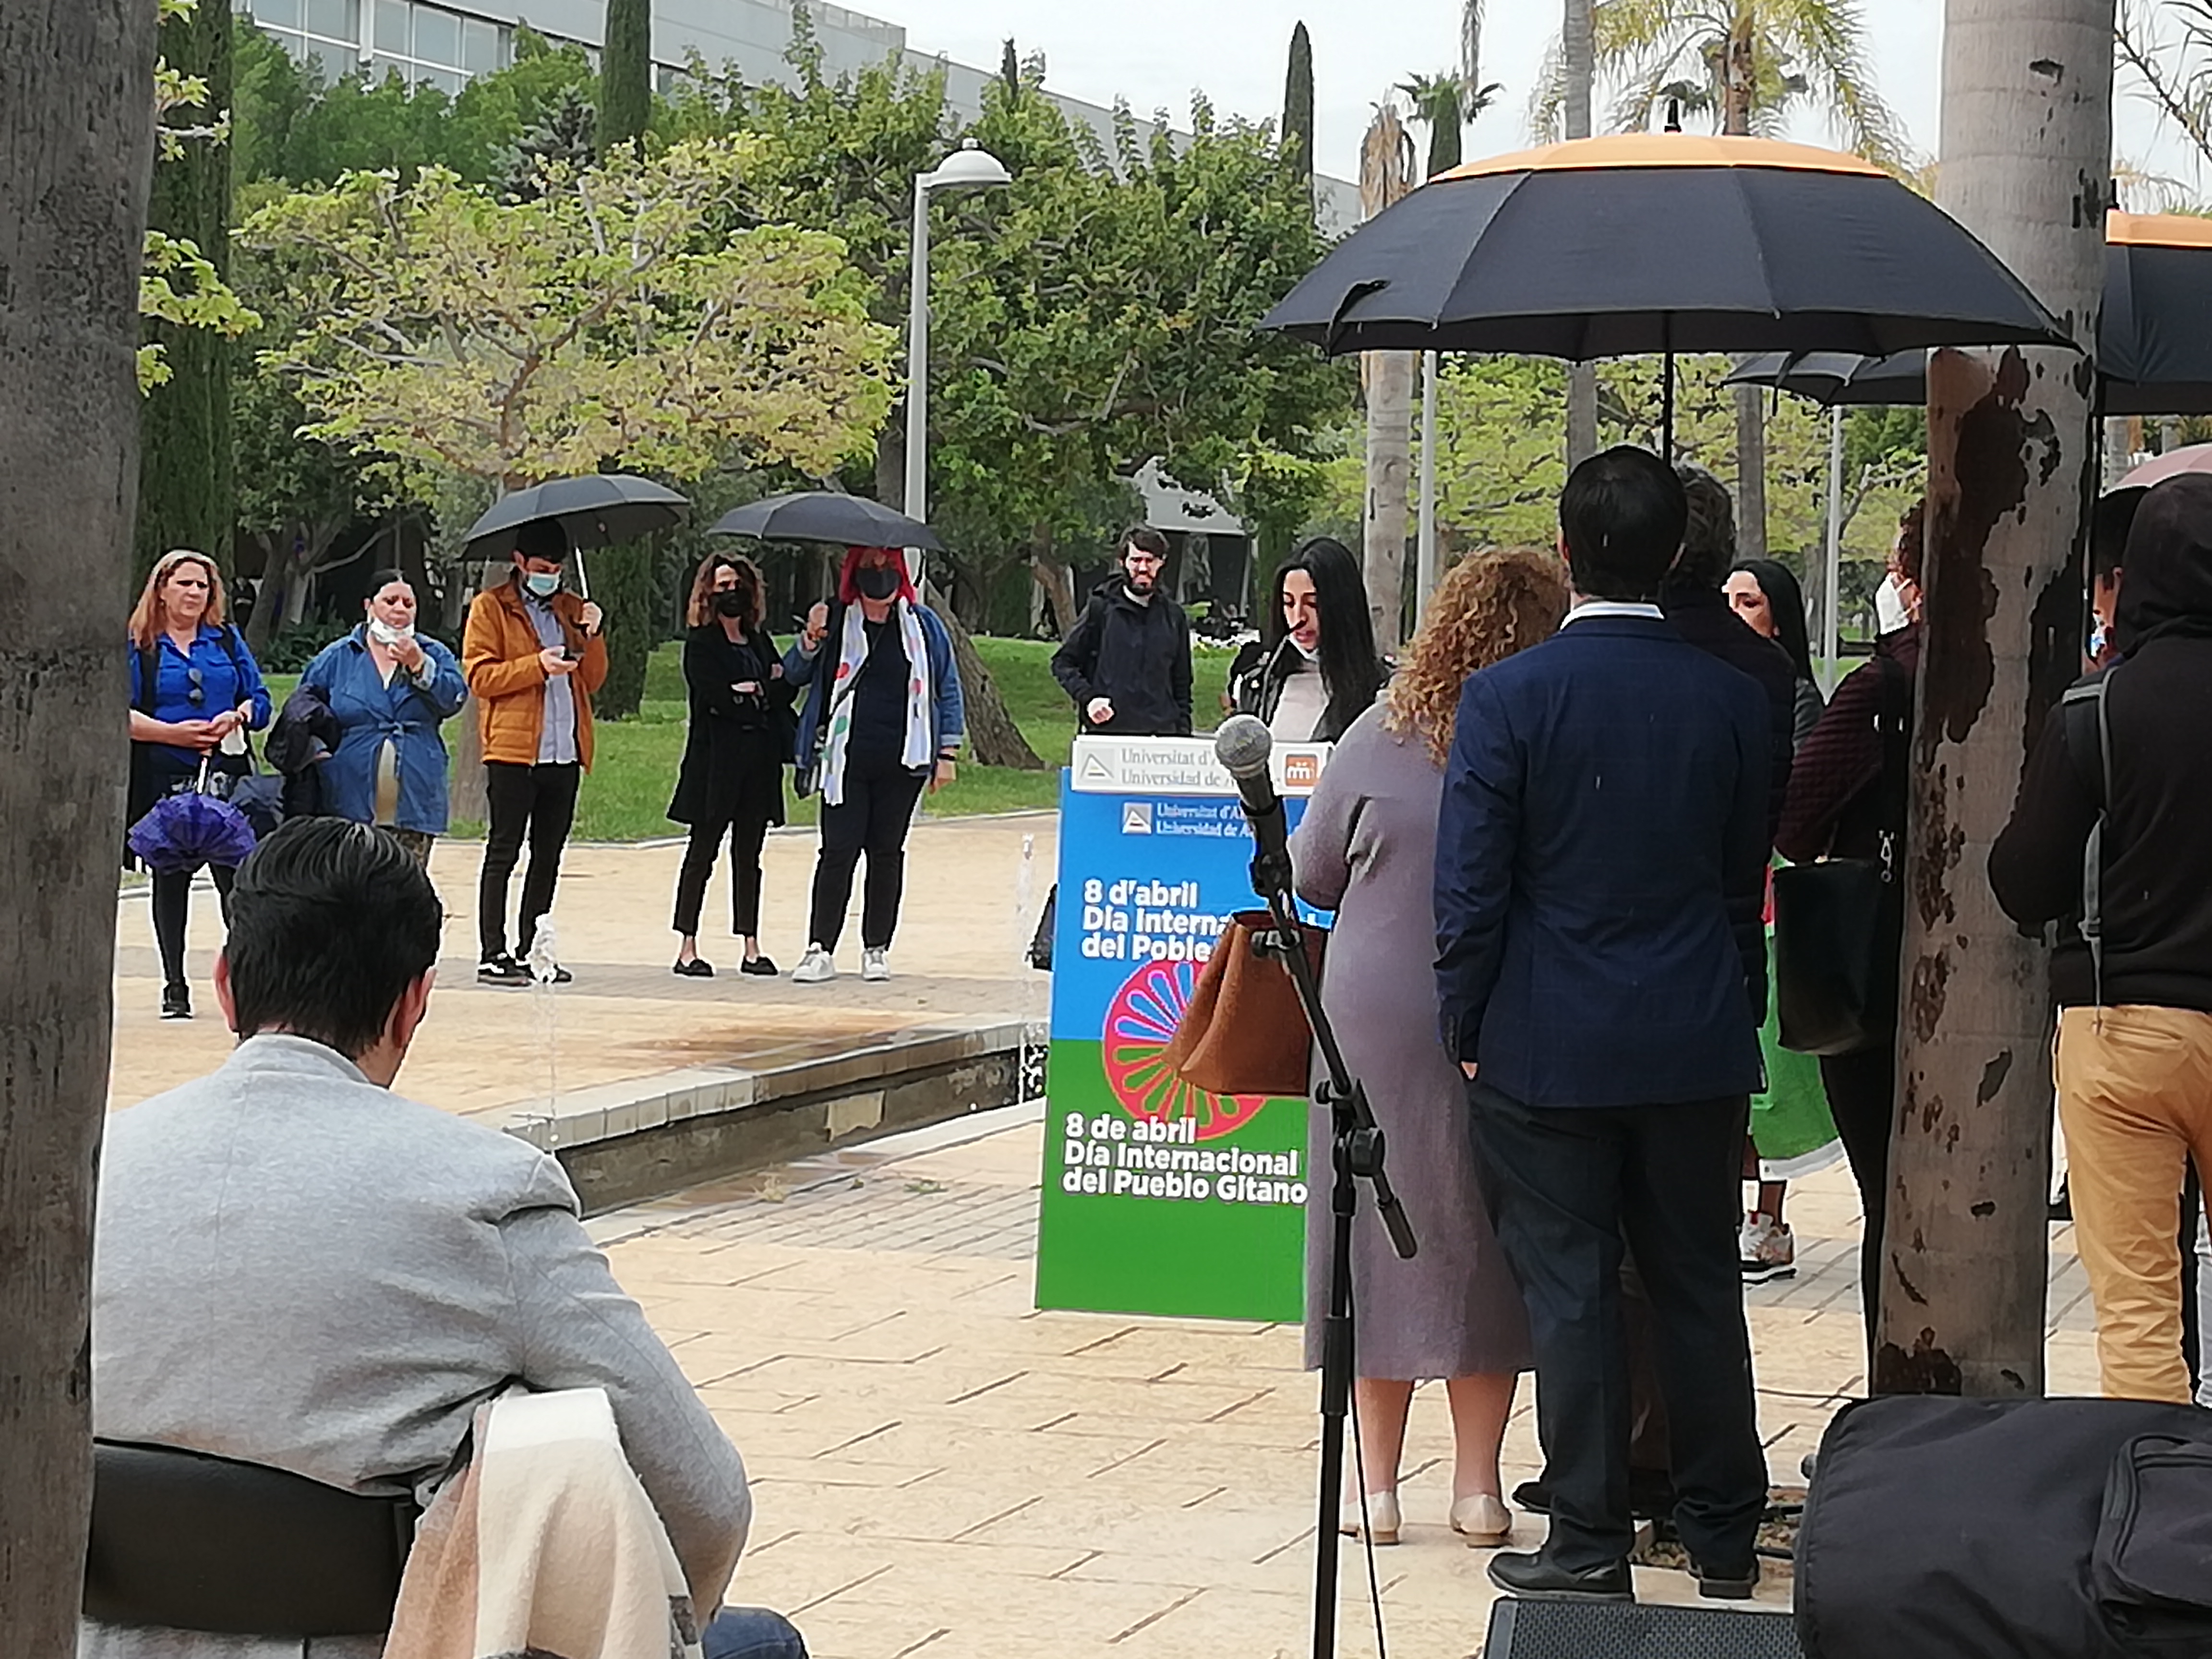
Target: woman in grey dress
{"x": 1366, "y": 849}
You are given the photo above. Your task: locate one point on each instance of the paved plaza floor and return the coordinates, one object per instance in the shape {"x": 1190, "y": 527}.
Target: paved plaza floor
{"x": 940, "y": 1468}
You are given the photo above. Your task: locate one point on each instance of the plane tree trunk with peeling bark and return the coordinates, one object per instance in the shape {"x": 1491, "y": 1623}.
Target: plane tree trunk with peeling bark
{"x": 2026, "y": 165}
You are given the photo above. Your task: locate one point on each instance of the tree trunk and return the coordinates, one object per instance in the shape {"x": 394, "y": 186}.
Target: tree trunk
{"x": 1740, "y": 72}
{"x": 993, "y": 739}
{"x": 1578, "y": 67}
{"x": 1057, "y": 583}
{"x": 2027, "y": 158}
{"x": 1750, "y": 472}
{"x": 1389, "y": 479}
{"x": 76, "y": 151}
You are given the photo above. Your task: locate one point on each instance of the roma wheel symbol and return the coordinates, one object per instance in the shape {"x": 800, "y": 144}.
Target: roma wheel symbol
{"x": 1139, "y": 1023}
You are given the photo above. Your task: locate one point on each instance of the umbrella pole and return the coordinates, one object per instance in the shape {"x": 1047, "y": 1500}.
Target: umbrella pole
{"x": 1667, "y": 409}
{"x": 1830, "y": 611}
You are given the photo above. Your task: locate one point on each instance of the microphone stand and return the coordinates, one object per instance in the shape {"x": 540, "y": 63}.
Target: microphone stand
{"x": 1356, "y": 1155}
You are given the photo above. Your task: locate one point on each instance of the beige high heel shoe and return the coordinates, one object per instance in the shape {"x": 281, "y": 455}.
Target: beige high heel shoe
{"x": 1482, "y": 1520}
{"x": 1383, "y": 1518}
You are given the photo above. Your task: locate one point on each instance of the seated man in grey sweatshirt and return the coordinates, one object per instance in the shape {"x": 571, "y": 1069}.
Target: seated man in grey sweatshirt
{"x": 294, "y": 1267}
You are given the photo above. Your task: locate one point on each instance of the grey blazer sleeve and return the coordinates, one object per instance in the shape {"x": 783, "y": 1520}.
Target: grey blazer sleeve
{"x": 579, "y": 1329}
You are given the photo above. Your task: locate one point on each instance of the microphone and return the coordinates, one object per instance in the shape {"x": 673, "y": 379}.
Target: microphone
{"x": 1242, "y": 746}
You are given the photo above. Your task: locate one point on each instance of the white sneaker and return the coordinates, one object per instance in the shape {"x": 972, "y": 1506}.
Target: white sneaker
{"x": 873, "y": 964}
{"x": 1768, "y": 1249}
{"x": 814, "y": 968}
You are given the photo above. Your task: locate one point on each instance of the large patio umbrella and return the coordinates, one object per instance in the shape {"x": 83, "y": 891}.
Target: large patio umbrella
{"x": 1837, "y": 379}
{"x": 1663, "y": 243}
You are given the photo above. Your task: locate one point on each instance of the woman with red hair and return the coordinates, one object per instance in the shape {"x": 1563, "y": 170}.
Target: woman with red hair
{"x": 883, "y": 722}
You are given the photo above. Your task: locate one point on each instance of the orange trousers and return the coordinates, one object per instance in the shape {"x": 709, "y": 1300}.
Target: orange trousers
{"x": 2134, "y": 1094}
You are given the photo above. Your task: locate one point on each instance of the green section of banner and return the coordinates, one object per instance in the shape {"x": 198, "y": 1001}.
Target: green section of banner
{"x": 1137, "y": 1219}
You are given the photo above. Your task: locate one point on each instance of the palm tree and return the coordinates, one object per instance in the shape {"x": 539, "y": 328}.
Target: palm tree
{"x": 1446, "y": 103}
{"x": 1574, "y": 74}
{"x": 1966, "y": 1235}
{"x": 1746, "y": 64}
{"x": 77, "y": 153}
{"x": 1386, "y": 175}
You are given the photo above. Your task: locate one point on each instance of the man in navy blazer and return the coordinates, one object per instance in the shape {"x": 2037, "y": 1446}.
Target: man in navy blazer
{"x": 1600, "y": 964}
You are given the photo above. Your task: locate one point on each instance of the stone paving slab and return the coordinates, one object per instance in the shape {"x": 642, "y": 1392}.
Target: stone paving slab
{"x": 974, "y": 887}
{"x": 942, "y": 1468}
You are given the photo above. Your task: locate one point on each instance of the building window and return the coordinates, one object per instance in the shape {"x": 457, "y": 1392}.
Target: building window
{"x": 419, "y": 42}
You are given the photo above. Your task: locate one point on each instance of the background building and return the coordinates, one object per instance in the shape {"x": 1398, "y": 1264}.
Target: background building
{"x": 445, "y": 44}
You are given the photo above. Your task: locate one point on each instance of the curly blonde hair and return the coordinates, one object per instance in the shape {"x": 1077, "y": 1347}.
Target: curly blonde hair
{"x": 1488, "y": 606}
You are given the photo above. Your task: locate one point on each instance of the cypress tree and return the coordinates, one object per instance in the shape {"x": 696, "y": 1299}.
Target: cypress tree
{"x": 185, "y": 486}
{"x": 626, "y": 73}
{"x": 1297, "y": 135}
{"x": 1010, "y": 69}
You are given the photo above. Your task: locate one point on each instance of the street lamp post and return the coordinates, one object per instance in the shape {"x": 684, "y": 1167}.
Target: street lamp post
{"x": 966, "y": 168}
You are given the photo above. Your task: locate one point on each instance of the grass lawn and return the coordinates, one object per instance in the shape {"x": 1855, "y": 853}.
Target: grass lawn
{"x": 626, "y": 796}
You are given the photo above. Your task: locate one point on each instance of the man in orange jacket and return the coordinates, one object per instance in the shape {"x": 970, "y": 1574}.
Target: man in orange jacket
{"x": 533, "y": 654}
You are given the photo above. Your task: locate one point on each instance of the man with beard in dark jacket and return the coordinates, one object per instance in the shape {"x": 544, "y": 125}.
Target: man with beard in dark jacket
{"x": 1127, "y": 661}
{"x": 2125, "y": 759}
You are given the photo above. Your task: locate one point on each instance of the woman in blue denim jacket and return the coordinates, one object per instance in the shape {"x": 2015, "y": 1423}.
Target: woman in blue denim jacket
{"x": 195, "y": 693}
{"x": 389, "y": 689}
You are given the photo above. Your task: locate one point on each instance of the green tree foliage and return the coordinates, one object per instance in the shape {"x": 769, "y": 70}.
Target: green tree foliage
{"x": 288, "y": 127}
{"x": 626, "y": 73}
{"x": 607, "y": 320}
{"x": 1297, "y": 131}
{"x": 185, "y": 471}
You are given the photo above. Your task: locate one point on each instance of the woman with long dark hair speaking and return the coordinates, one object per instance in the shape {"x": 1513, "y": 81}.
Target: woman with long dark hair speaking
{"x": 731, "y": 782}
{"x": 1318, "y": 669}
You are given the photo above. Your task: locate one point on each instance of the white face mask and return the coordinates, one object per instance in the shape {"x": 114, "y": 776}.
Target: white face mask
{"x": 383, "y": 633}
{"x": 1889, "y": 611}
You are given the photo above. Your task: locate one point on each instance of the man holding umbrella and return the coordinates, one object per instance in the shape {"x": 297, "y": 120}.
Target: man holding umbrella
{"x": 533, "y": 655}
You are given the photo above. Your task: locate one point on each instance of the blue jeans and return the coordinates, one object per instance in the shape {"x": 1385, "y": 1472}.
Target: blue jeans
{"x": 751, "y": 1633}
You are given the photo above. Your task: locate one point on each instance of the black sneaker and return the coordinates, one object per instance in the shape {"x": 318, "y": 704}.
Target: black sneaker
{"x": 177, "y": 1002}
{"x": 501, "y": 969}
{"x": 560, "y": 976}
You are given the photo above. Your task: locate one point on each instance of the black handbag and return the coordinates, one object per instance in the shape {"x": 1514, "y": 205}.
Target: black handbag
{"x": 185, "y": 1541}
{"x": 1839, "y": 923}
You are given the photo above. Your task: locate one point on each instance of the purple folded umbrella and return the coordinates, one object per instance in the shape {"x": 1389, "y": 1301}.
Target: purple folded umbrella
{"x": 188, "y": 828}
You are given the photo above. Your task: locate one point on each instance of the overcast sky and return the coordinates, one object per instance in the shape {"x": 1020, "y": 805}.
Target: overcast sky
{"x": 1153, "y": 52}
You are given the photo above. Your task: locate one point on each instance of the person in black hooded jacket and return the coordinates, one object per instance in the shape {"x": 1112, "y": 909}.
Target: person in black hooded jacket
{"x": 1125, "y": 663}
{"x": 2135, "y": 1031}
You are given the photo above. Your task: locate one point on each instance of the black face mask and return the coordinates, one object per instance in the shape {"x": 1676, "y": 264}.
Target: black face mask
{"x": 730, "y": 604}
{"x": 876, "y": 581}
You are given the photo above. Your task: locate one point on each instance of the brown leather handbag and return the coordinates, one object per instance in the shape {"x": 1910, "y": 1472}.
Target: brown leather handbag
{"x": 1244, "y": 1031}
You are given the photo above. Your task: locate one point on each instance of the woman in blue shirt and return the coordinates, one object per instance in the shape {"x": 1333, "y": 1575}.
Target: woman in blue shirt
{"x": 195, "y": 692}
{"x": 389, "y": 689}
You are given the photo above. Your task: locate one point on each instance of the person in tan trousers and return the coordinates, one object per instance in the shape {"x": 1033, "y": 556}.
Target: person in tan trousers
{"x": 2134, "y": 988}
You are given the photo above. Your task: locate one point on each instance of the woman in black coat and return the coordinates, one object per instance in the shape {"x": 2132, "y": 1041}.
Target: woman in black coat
{"x": 739, "y": 739}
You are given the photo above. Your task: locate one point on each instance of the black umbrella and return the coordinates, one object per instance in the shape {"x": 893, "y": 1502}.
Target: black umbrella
{"x": 1836, "y": 378}
{"x": 1663, "y": 242}
{"x": 597, "y": 509}
{"x": 827, "y": 515}
{"x": 2153, "y": 346}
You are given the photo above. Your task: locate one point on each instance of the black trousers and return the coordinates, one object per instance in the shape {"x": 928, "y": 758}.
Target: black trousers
{"x": 173, "y": 904}
{"x": 1861, "y": 1091}
{"x": 1566, "y": 1188}
{"x": 538, "y": 803}
{"x": 880, "y": 795}
{"x": 747, "y": 832}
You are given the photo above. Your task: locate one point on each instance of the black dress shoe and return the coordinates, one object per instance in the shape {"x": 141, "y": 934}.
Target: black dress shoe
{"x": 1533, "y": 1574}
{"x": 764, "y": 966}
{"x": 1651, "y": 1496}
{"x": 177, "y": 1002}
{"x": 1735, "y": 1584}
{"x": 697, "y": 968}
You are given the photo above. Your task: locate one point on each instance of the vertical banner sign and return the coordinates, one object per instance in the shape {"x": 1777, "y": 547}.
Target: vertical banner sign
{"x": 1159, "y": 1197}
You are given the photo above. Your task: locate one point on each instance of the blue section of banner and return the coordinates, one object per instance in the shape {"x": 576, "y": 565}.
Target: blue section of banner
{"x": 1142, "y": 878}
